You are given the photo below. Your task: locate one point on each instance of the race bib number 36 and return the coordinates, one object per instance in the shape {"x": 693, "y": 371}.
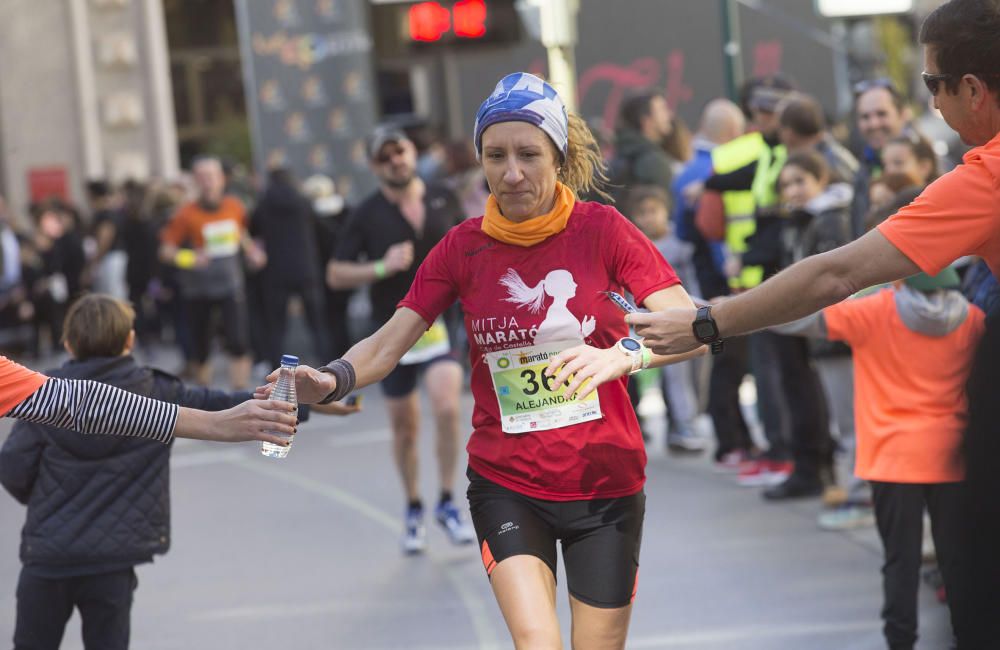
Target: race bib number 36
{"x": 524, "y": 393}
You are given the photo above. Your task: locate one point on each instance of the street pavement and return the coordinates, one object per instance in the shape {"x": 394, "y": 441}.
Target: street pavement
{"x": 304, "y": 553}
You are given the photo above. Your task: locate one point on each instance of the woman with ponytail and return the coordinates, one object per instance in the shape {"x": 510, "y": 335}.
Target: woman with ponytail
{"x": 555, "y": 455}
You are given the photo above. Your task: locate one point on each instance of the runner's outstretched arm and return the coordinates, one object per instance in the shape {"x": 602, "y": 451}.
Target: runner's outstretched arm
{"x": 801, "y": 289}
{"x": 373, "y": 358}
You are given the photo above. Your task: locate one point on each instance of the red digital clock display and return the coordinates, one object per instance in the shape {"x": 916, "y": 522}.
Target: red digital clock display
{"x": 431, "y": 21}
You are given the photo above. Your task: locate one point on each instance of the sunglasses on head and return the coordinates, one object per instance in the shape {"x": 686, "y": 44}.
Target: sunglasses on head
{"x": 862, "y": 87}
{"x": 933, "y": 81}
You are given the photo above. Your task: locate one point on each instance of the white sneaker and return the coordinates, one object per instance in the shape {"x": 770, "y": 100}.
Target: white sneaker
{"x": 459, "y": 531}
{"x": 414, "y": 532}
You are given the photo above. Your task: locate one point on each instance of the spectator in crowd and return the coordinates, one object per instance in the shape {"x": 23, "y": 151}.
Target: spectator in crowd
{"x": 721, "y": 122}
{"x": 164, "y": 198}
{"x": 738, "y": 204}
{"x": 204, "y": 241}
{"x": 802, "y": 127}
{"x": 980, "y": 286}
{"x": 953, "y": 217}
{"x": 882, "y": 114}
{"x": 432, "y": 154}
{"x": 61, "y": 262}
{"x": 640, "y": 158}
{"x": 465, "y": 177}
{"x": 285, "y": 223}
{"x": 139, "y": 233}
{"x": 678, "y": 143}
{"x": 912, "y": 155}
{"x": 649, "y": 209}
{"x": 910, "y": 166}
{"x": 911, "y": 412}
{"x": 16, "y": 308}
{"x": 331, "y": 212}
{"x": 97, "y": 505}
{"x": 818, "y": 219}
{"x": 106, "y": 221}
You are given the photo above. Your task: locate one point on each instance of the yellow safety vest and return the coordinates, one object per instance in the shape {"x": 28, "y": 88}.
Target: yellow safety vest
{"x": 739, "y": 205}
{"x": 765, "y": 180}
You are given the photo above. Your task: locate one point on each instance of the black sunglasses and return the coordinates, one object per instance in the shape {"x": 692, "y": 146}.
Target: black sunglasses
{"x": 933, "y": 81}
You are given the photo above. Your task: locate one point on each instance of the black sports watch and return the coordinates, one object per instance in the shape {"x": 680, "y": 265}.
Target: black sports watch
{"x": 706, "y": 331}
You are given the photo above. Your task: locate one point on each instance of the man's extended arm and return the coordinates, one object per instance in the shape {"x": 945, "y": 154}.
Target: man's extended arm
{"x": 812, "y": 284}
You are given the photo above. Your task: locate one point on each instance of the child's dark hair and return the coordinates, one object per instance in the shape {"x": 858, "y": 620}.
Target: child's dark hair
{"x": 640, "y": 193}
{"x": 98, "y": 325}
{"x": 810, "y": 162}
{"x": 922, "y": 150}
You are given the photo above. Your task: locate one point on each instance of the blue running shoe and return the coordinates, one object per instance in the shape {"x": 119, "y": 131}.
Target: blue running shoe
{"x": 459, "y": 532}
{"x": 414, "y": 532}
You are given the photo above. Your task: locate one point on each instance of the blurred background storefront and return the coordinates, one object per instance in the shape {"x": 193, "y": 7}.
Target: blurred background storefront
{"x": 134, "y": 88}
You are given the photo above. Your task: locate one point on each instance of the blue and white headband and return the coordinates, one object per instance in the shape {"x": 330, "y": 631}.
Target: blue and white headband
{"x": 523, "y": 97}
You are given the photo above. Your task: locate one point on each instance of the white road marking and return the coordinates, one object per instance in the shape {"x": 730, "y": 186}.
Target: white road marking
{"x": 486, "y": 639}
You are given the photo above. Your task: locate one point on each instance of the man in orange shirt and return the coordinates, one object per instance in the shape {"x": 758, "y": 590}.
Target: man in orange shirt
{"x": 204, "y": 241}
{"x": 957, "y": 215}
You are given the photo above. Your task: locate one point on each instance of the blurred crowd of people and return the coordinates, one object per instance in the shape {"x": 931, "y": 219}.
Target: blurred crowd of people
{"x": 153, "y": 244}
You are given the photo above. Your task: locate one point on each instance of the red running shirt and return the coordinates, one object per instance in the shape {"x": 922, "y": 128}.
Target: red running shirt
{"x": 598, "y": 251}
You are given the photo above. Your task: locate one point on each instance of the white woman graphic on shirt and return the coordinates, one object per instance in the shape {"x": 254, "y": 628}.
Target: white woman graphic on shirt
{"x": 559, "y": 324}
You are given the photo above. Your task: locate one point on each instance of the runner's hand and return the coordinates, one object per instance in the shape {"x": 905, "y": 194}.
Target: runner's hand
{"x": 311, "y": 385}
{"x": 399, "y": 257}
{"x": 576, "y": 365}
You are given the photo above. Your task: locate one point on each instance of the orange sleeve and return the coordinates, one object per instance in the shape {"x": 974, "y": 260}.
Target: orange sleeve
{"x": 853, "y": 320}
{"x": 711, "y": 216}
{"x": 17, "y": 383}
{"x": 956, "y": 215}
{"x": 175, "y": 232}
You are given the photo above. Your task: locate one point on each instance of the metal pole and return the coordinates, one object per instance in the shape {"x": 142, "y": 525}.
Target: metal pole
{"x": 452, "y": 92}
{"x": 557, "y": 27}
{"x": 163, "y": 129}
{"x": 562, "y": 74}
{"x": 732, "y": 49}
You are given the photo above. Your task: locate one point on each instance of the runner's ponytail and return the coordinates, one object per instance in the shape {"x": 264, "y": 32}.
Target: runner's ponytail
{"x": 584, "y": 170}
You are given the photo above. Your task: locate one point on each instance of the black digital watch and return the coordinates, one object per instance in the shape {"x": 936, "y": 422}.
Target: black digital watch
{"x": 706, "y": 331}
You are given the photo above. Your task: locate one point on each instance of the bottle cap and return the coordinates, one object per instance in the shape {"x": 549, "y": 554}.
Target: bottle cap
{"x": 289, "y": 360}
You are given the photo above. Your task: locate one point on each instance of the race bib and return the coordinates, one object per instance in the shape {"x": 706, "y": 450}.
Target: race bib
{"x": 433, "y": 343}
{"x": 222, "y": 238}
{"x": 527, "y": 401}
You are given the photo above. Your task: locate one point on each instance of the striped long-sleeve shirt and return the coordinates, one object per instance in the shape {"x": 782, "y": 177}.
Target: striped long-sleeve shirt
{"x": 93, "y": 407}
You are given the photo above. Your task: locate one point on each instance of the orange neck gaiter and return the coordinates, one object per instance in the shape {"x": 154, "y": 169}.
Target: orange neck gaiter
{"x": 534, "y": 230}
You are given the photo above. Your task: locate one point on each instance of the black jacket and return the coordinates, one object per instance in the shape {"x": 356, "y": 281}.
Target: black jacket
{"x": 97, "y": 503}
{"x": 823, "y": 225}
{"x": 284, "y": 219}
